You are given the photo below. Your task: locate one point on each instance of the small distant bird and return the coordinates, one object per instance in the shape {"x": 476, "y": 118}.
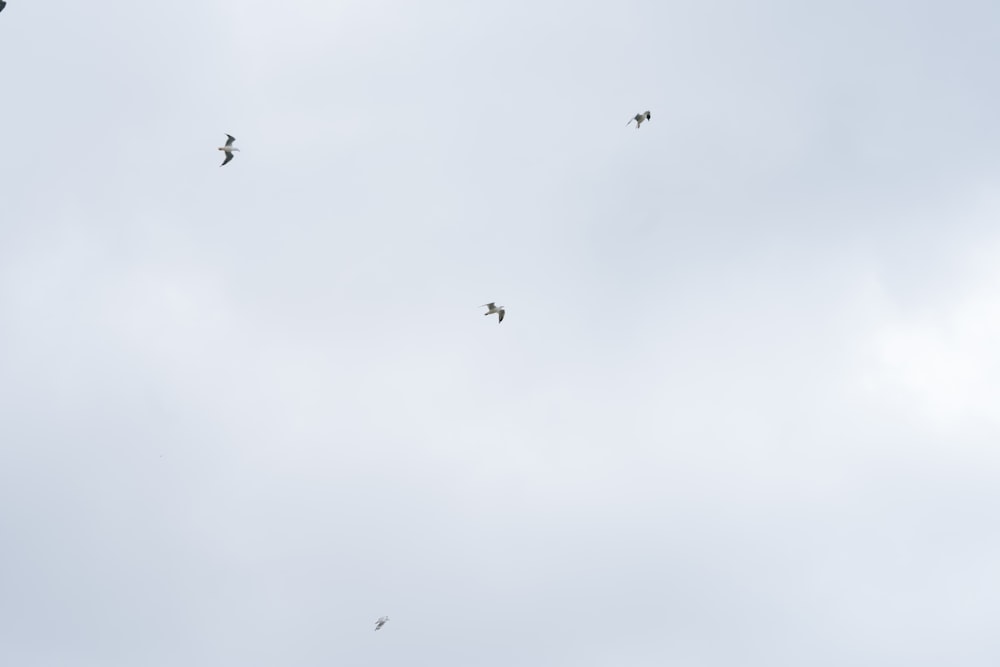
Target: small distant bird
{"x": 228, "y": 150}
{"x": 493, "y": 309}
{"x": 382, "y": 620}
{"x": 639, "y": 117}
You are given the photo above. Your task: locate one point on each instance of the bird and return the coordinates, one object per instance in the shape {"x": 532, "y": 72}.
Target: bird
{"x": 382, "y": 620}
{"x": 639, "y": 117}
{"x": 493, "y": 309}
{"x": 228, "y": 150}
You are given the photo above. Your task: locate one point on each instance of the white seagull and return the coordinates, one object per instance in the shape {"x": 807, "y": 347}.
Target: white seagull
{"x": 639, "y": 117}
{"x": 228, "y": 150}
{"x": 382, "y": 620}
{"x": 493, "y": 309}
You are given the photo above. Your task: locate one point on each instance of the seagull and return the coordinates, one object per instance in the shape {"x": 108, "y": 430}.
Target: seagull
{"x": 227, "y": 149}
{"x": 639, "y": 117}
{"x": 493, "y": 309}
{"x": 382, "y": 620}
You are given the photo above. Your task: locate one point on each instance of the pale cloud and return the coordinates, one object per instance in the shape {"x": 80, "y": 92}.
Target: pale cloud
{"x": 738, "y": 412}
{"x": 937, "y": 360}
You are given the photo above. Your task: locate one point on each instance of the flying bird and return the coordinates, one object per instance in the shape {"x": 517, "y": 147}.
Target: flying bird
{"x": 639, "y": 117}
{"x": 382, "y": 620}
{"x": 228, "y": 150}
{"x": 493, "y": 309}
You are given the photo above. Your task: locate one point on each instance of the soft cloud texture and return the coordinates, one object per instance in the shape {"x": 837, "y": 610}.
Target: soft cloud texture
{"x": 742, "y": 409}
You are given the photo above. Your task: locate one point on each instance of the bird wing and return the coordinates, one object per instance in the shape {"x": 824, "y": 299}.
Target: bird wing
{"x": 229, "y": 156}
{"x": 502, "y": 311}
{"x": 230, "y": 140}
{"x": 2, "y": 5}
{"x": 491, "y": 305}
{"x": 629, "y": 122}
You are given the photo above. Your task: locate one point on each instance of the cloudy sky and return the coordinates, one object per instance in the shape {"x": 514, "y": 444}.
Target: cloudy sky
{"x": 744, "y": 408}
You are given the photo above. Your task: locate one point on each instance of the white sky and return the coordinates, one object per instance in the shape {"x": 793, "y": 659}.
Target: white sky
{"x": 744, "y": 408}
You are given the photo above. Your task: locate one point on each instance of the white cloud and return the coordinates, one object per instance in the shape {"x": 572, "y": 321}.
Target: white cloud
{"x": 247, "y": 410}
{"x": 938, "y": 361}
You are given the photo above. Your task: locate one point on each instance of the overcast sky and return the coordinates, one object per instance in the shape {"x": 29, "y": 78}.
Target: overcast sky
{"x": 744, "y": 408}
